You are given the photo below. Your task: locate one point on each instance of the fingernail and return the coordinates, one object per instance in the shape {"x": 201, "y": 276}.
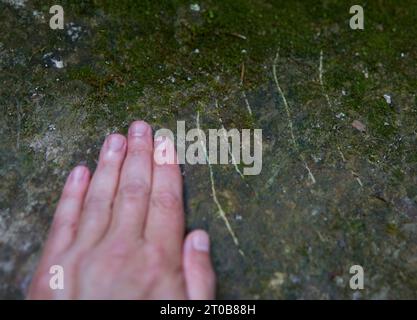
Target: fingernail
{"x": 138, "y": 129}
{"x": 78, "y": 173}
{"x": 201, "y": 242}
{"x": 115, "y": 142}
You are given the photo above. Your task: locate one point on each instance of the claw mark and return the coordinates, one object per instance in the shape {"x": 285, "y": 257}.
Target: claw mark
{"x": 19, "y": 120}
{"x": 321, "y": 80}
{"x": 357, "y": 179}
{"x": 228, "y": 146}
{"x": 354, "y": 174}
{"x": 232, "y": 155}
{"x": 246, "y": 102}
{"x": 272, "y": 178}
{"x": 341, "y": 154}
{"x": 290, "y": 124}
{"x": 242, "y": 77}
{"x": 214, "y": 194}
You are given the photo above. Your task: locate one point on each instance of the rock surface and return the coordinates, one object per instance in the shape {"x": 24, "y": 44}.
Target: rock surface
{"x": 329, "y": 196}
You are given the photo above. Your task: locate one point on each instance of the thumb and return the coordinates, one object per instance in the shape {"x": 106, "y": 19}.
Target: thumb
{"x": 199, "y": 275}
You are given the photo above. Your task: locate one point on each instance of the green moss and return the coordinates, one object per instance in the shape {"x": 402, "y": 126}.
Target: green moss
{"x": 138, "y": 59}
{"x": 392, "y": 229}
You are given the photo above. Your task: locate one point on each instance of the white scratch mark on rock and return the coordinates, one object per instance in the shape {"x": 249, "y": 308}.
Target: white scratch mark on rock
{"x": 354, "y": 174}
{"x": 19, "y": 121}
{"x": 214, "y": 193}
{"x": 245, "y": 98}
{"x": 248, "y": 107}
{"x": 321, "y": 80}
{"x": 290, "y": 124}
{"x": 340, "y": 115}
{"x": 228, "y": 146}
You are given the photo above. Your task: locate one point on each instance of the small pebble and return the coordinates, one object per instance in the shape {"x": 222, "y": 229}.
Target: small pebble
{"x": 59, "y": 64}
{"x": 52, "y": 60}
{"x": 388, "y": 98}
{"x": 359, "y": 126}
{"x": 195, "y": 7}
{"x": 340, "y": 115}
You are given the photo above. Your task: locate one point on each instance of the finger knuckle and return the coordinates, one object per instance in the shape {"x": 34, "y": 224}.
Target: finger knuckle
{"x": 96, "y": 203}
{"x": 70, "y": 194}
{"x": 138, "y": 149}
{"x": 167, "y": 200}
{"x": 110, "y": 161}
{"x": 63, "y": 222}
{"x": 134, "y": 190}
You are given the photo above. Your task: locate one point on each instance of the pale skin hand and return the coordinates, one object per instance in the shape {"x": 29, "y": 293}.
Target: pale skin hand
{"x": 120, "y": 234}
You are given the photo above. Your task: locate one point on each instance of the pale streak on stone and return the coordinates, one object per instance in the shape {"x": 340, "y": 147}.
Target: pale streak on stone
{"x": 19, "y": 121}
{"x": 341, "y": 154}
{"x": 232, "y": 156}
{"x": 330, "y": 106}
{"x": 246, "y": 102}
{"x": 214, "y": 193}
{"x": 321, "y": 80}
{"x": 272, "y": 178}
{"x": 228, "y": 147}
{"x": 290, "y": 124}
{"x": 245, "y": 98}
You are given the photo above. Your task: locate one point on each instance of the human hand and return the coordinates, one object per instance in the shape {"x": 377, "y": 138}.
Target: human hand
{"x": 120, "y": 234}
